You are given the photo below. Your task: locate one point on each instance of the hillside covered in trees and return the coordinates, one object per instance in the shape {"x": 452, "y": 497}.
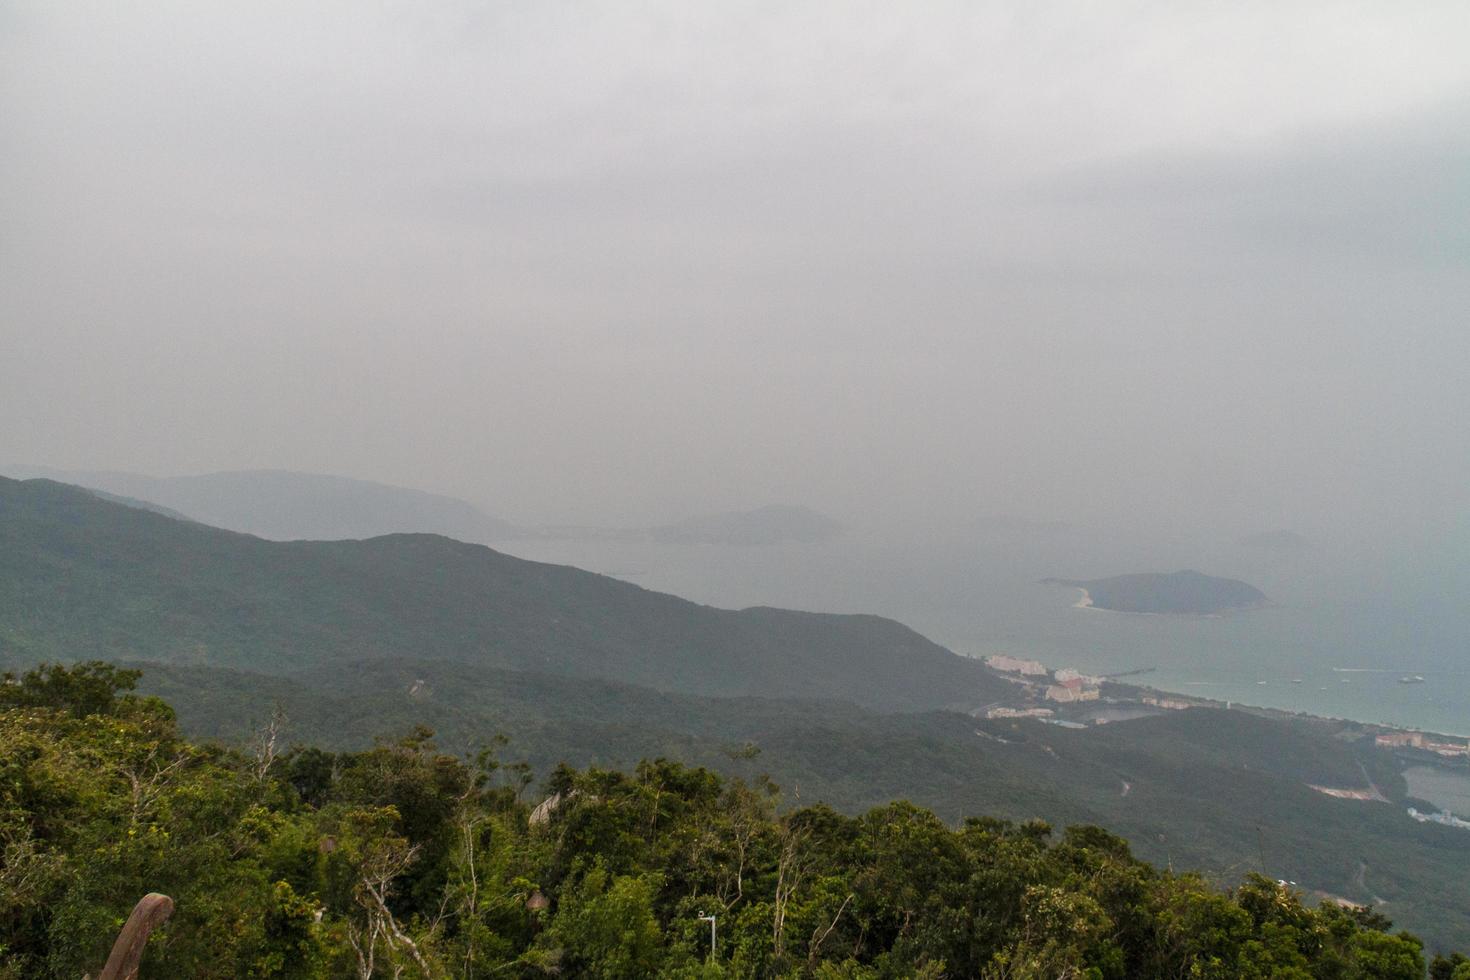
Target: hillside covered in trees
{"x": 1174, "y": 785}
{"x": 82, "y": 577}
{"x": 402, "y": 860}
{"x": 358, "y": 641}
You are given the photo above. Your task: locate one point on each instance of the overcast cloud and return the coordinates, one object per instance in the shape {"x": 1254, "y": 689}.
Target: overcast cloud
{"x": 1205, "y": 263}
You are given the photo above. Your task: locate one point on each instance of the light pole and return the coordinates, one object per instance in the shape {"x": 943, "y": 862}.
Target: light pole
{"x": 711, "y": 920}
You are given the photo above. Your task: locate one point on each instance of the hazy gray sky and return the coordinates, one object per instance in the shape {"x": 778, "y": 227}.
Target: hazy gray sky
{"x": 622, "y": 262}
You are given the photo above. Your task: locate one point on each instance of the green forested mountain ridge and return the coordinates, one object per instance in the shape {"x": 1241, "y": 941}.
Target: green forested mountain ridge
{"x": 81, "y": 577}
{"x": 404, "y": 861}
{"x": 1223, "y": 792}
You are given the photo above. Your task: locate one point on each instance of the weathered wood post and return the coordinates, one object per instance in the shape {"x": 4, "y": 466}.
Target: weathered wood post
{"x": 151, "y": 912}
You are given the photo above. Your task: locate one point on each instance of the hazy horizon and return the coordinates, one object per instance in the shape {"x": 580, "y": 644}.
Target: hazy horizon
{"x": 1149, "y": 268}
{"x": 1169, "y": 544}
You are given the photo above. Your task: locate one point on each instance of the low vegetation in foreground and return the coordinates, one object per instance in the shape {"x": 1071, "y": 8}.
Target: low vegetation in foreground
{"x": 404, "y": 861}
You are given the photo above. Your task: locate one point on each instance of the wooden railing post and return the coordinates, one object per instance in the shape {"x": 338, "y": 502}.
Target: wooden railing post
{"x": 150, "y": 913}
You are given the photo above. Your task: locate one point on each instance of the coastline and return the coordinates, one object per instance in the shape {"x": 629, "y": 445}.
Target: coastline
{"x": 1276, "y": 712}
{"x": 1125, "y": 691}
{"x": 1138, "y": 691}
{"x": 1399, "y": 712}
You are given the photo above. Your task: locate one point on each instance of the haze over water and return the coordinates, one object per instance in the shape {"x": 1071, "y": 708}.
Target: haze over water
{"x": 1348, "y": 629}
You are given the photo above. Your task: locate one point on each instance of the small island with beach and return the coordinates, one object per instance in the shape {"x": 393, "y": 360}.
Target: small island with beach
{"x": 1183, "y": 593}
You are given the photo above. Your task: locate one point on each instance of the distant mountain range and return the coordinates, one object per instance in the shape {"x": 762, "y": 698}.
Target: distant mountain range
{"x": 85, "y": 577}
{"x": 285, "y": 506}
{"x": 282, "y": 505}
{"x": 1184, "y": 593}
{"x": 769, "y": 525}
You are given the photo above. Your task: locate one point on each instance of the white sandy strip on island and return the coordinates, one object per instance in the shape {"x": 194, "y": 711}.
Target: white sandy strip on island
{"x": 1085, "y": 602}
{"x": 1367, "y": 795}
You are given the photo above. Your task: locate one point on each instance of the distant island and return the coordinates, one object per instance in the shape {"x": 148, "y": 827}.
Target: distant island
{"x": 769, "y": 525}
{"x": 1175, "y": 593}
{"x": 772, "y": 524}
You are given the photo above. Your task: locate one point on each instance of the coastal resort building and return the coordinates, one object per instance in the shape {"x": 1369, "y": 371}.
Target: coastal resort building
{"x": 1012, "y": 665}
{"x": 1072, "y": 690}
{"x": 1420, "y": 740}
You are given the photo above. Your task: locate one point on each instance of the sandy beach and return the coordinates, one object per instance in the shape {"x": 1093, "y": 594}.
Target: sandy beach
{"x": 1085, "y": 602}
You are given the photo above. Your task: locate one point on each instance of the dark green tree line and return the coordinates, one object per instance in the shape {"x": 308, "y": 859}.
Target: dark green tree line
{"x": 405, "y": 861}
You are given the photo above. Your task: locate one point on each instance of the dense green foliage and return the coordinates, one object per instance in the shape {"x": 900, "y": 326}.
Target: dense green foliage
{"x": 84, "y": 577}
{"x": 1220, "y": 792}
{"x": 404, "y": 861}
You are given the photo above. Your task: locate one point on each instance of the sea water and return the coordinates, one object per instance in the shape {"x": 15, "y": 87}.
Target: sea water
{"x": 1343, "y": 628}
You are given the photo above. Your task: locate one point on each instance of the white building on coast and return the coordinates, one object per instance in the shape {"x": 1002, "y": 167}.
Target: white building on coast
{"x": 1012, "y": 665}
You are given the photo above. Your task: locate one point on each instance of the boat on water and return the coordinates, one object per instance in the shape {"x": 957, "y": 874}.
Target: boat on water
{"x": 1412, "y": 679}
